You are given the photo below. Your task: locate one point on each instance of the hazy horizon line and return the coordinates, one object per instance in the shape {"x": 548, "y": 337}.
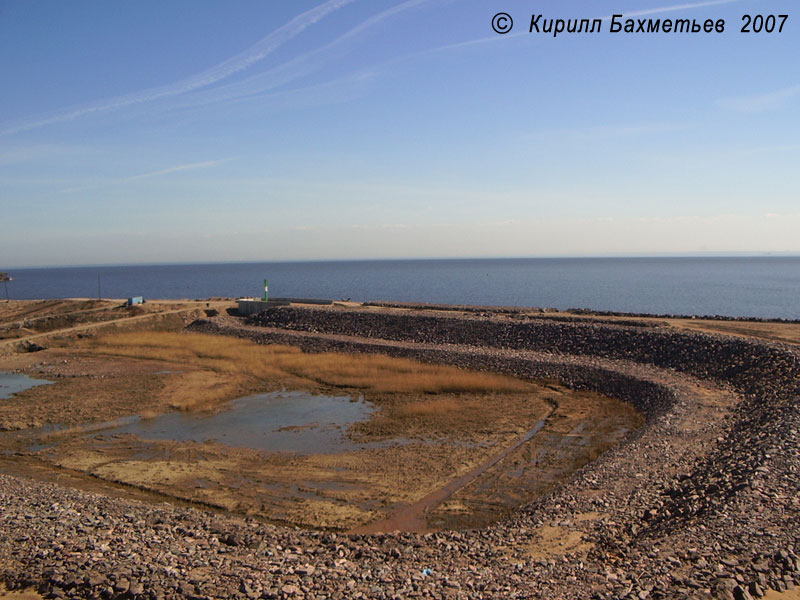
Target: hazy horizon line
{"x": 708, "y": 254}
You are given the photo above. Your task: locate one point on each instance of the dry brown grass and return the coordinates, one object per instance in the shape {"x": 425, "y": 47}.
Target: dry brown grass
{"x": 207, "y": 370}
{"x": 437, "y": 407}
{"x": 234, "y": 356}
{"x": 202, "y": 389}
{"x": 218, "y": 353}
{"x": 385, "y": 374}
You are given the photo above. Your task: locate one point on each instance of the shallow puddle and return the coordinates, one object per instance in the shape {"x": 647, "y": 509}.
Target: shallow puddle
{"x": 14, "y": 383}
{"x": 276, "y": 422}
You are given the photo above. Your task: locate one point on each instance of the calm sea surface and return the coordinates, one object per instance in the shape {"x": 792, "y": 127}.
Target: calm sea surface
{"x": 732, "y": 286}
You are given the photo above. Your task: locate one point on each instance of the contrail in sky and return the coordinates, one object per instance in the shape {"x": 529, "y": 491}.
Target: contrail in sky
{"x": 225, "y": 69}
{"x": 287, "y": 71}
{"x": 178, "y": 168}
{"x": 298, "y": 66}
{"x": 169, "y": 170}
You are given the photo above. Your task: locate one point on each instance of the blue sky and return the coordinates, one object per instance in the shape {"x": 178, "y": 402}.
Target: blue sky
{"x": 137, "y": 132}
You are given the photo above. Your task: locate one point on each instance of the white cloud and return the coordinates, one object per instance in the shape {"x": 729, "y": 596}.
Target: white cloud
{"x": 157, "y": 173}
{"x": 604, "y": 132}
{"x": 24, "y": 154}
{"x": 176, "y": 169}
{"x": 762, "y": 102}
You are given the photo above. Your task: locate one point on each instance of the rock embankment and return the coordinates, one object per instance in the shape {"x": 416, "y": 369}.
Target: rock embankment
{"x": 702, "y": 502}
{"x": 750, "y": 366}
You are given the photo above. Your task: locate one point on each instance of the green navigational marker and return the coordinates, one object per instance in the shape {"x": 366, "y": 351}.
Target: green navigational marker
{"x": 5, "y": 279}
{"x": 266, "y": 291}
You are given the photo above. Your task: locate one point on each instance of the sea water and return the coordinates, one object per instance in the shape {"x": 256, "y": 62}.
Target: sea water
{"x": 767, "y": 287}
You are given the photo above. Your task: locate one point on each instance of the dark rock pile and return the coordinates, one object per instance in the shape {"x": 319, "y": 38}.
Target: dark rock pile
{"x": 524, "y": 313}
{"x": 737, "y": 361}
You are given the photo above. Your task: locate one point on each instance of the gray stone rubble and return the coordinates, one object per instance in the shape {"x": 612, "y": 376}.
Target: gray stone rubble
{"x": 696, "y": 504}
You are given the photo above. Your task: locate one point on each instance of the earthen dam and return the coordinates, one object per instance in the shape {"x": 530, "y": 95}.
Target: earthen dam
{"x": 702, "y": 501}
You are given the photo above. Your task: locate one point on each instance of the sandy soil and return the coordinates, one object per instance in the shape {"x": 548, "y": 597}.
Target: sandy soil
{"x": 50, "y": 323}
{"x": 788, "y": 595}
{"x": 777, "y": 332}
{"x": 583, "y": 426}
{"x": 19, "y": 595}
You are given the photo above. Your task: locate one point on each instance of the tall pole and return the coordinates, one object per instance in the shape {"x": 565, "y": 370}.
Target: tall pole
{"x": 98, "y": 288}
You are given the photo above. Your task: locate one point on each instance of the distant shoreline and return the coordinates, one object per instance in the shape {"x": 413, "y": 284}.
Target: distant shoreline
{"x": 742, "y": 287}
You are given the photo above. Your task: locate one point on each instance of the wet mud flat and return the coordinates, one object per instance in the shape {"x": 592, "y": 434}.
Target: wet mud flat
{"x": 335, "y": 462}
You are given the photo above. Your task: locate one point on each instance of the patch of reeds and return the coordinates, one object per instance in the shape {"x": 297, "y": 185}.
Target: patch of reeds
{"x": 374, "y": 373}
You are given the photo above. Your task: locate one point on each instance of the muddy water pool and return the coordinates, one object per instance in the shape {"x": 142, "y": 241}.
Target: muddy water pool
{"x": 286, "y": 421}
{"x": 14, "y": 383}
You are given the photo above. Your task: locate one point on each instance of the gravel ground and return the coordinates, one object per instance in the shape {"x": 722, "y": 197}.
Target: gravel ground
{"x": 703, "y": 501}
